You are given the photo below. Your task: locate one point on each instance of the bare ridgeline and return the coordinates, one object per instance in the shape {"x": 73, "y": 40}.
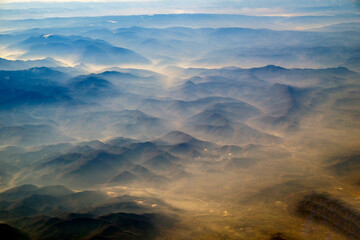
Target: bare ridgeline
{"x": 331, "y": 212}
{"x": 179, "y": 126}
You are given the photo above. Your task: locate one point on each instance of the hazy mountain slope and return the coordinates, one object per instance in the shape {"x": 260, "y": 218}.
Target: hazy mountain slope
{"x": 6, "y": 64}
{"x": 179, "y": 126}
{"x": 84, "y": 50}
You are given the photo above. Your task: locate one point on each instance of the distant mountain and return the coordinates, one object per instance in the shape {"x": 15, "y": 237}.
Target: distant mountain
{"x": 184, "y": 150}
{"x": 39, "y": 76}
{"x": 18, "y": 193}
{"x": 222, "y": 114}
{"x": 27, "y": 190}
{"x": 84, "y": 199}
{"x": 176, "y": 137}
{"x": 173, "y": 125}
{"x": 56, "y": 191}
{"x": 105, "y": 55}
{"x": 211, "y": 117}
{"x": 285, "y": 106}
{"x": 283, "y": 95}
{"x": 143, "y": 163}
{"x": 305, "y": 76}
{"x": 85, "y": 50}
{"x": 148, "y": 177}
{"x": 31, "y": 200}
{"x": 238, "y": 111}
{"x": 180, "y": 108}
{"x": 132, "y": 83}
{"x": 341, "y": 27}
{"x": 133, "y": 71}
{"x": 164, "y": 162}
{"x": 124, "y": 178}
{"x": 116, "y": 162}
{"x": 222, "y": 126}
{"x": 222, "y": 131}
{"x": 90, "y": 86}
{"x": 232, "y": 86}
{"x": 345, "y": 167}
{"x": 11, "y": 65}
{"x": 138, "y": 125}
{"x": 32, "y": 87}
{"x": 54, "y": 216}
{"x": 30, "y": 135}
{"x": 126, "y": 123}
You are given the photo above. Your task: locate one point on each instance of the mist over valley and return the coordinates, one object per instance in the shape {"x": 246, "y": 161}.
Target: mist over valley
{"x": 180, "y": 125}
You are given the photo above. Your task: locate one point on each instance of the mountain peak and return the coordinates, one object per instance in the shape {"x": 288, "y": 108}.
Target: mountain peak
{"x": 189, "y": 84}
{"x": 274, "y": 68}
{"x": 176, "y": 137}
{"x": 25, "y": 187}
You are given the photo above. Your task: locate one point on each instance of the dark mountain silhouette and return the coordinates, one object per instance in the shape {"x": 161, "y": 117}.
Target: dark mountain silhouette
{"x": 29, "y": 200}
{"x": 324, "y": 209}
{"x": 12, "y": 233}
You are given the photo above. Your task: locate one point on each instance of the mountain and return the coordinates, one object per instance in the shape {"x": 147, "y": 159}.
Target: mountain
{"x": 124, "y": 178}
{"x": 178, "y": 126}
{"x": 56, "y": 191}
{"x": 30, "y": 135}
{"x": 96, "y": 167}
{"x": 162, "y": 163}
{"x": 84, "y": 50}
{"x": 18, "y": 192}
{"x": 133, "y": 123}
{"x": 235, "y": 110}
{"x": 12, "y": 233}
{"x": 345, "y": 167}
{"x": 176, "y": 137}
{"x": 179, "y": 108}
{"x": 38, "y": 76}
{"x": 105, "y": 55}
{"x": 323, "y": 208}
{"x": 32, "y": 87}
{"x": 30, "y": 200}
{"x": 89, "y": 86}
{"x": 12, "y": 65}
{"x": 182, "y": 142}
{"x": 58, "y": 220}
{"x": 84, "y": 199}
{"x": 133, "y": 83}
{"x": 127, "y": 123}
{"x": 220, "y": 130}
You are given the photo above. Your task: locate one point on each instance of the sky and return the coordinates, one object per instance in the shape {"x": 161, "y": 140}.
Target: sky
{"x": 247, "y": 3}
{"x": 66, "y": 8}
{"x": 15, "y": 1}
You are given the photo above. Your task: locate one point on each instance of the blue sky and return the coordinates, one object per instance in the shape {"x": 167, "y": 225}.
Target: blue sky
{"x": 139, "y": 7}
